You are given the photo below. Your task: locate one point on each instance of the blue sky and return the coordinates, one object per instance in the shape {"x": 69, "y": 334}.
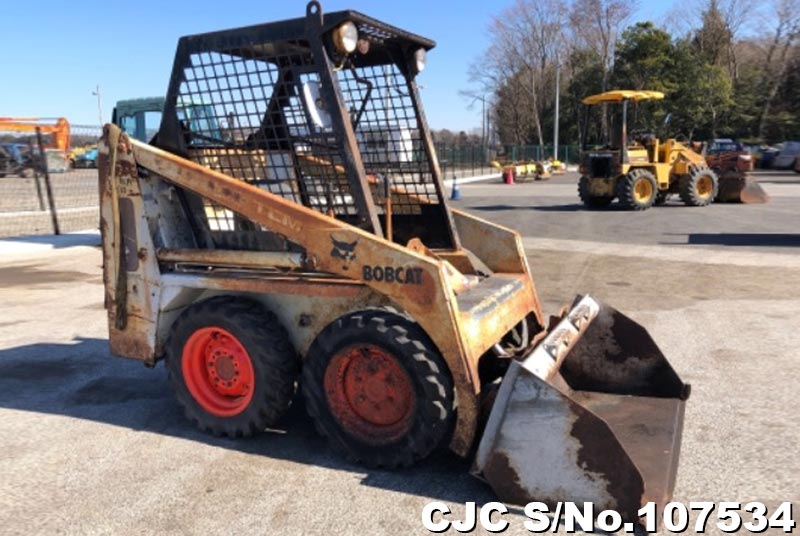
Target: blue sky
{"x": 56, "y": 52}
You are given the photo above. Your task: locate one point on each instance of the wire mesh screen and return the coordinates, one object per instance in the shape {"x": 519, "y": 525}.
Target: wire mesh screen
{"x": 244, "y": 117}
{"x": 385, "y": 122}
{"x": 257, "y": 113}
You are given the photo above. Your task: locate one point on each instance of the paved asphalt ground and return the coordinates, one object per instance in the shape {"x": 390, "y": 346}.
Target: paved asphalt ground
{"x": 94, "y": 444}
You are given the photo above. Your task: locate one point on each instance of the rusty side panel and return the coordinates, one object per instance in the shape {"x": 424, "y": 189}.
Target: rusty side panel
{"x": 127, "y": 259}
{"x": 458, "y": 258}
{"x": 233, "y": 258}
{"x": 492, "y": 309}
{"x": 498, "y": 247}
{"x": 261, "y": 283}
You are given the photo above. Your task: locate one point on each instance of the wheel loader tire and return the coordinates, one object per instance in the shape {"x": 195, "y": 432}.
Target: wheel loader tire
{"x": 378, "y": 389}
{"x": 699, "y": 187}
{"x": 637, "y": 190}
{"x": 662, "y": 197}
{"x": 232, "y": 366}
{"x": 589, "y": 200}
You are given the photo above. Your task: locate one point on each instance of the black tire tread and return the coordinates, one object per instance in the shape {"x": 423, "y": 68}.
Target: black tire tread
{"x": 625, "y": 187}
{"x": 275, "y": 364}
{"x": 687, "y": 190}
{"x": 433, "y": 420}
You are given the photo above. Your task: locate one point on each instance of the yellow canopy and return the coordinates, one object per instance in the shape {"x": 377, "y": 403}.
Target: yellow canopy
{"x": 619, "y": 95}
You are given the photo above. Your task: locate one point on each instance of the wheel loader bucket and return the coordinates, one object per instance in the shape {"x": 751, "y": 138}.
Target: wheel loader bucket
{"x": 593, "y": 414}
{"x": 741, "y": 188}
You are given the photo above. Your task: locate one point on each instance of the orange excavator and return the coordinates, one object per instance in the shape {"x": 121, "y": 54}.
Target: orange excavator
{"x": 56, "y": 146}
{"x": 59, "y": 129}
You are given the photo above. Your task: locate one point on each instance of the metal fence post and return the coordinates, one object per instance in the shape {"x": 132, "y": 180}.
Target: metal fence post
{"x": 48, "y": 188}
{"x": 36, "y": 178}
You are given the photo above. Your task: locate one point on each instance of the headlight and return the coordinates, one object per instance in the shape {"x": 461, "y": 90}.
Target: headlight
{"x": 419, "y": 59}
{"x": 345, "y": 37}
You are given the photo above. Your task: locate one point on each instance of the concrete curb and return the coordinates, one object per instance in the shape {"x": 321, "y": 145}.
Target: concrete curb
{"x": 466, "y": 180}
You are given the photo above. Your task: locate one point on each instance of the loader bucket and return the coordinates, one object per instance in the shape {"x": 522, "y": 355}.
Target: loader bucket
{"x": 740, "y": 188}
{"x": 593, "y": 414}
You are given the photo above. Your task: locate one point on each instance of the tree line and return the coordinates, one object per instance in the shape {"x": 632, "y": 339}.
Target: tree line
{"x": 733, "y": 70}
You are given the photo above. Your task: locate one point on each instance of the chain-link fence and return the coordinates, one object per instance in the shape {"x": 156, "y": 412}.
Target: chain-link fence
{"x": 48, "y": 177}
{"x": 465, "y": 160}
{"x": 474, "y": 159}
{"x": 569, "y": 154}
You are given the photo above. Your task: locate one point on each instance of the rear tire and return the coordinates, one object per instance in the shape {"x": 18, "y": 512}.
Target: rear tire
{"x": 231, "y": 366}
{"x": 378, "y": 389}
{"x": 637, "y": 190}
{"x": 589, "y": 200}
{"x": 699, "y": 187}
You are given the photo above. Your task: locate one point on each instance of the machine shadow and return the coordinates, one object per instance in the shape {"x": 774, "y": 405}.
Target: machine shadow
{"x": 82, "y": 380}
{"x": 742, "y": 239}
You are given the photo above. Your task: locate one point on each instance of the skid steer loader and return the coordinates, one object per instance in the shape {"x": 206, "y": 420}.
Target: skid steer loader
{"x": 271, "y": 243}
{"x": 640, "y": 171}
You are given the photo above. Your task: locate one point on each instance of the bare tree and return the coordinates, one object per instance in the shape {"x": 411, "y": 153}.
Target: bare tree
{"x": 596, "y": 25}
{"x": 777, "y": 49}
{"x": 528, "y": 36}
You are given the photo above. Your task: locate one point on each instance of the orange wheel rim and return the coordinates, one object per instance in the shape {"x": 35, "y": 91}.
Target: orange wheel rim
{"x": 218, "y": 371}
{"x": 370, "y": 394}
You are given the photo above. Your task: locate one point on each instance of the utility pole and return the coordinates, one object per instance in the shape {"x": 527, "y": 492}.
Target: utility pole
{"x": 558, "y": 96}
{"x": 483, "y": 122}
{"x": 489, "y": 126}
{"x": 96, "y": 93}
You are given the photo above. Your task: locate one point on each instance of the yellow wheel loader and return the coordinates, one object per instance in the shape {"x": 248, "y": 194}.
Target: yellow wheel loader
{"x": 640, "y": 170}
{"x": 299, "y": 234}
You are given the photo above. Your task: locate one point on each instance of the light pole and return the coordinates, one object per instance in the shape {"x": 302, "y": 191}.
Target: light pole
{"x": 558, "y": 96}
{"x": 96, "y": 93}
{"x": 484, "y": 130}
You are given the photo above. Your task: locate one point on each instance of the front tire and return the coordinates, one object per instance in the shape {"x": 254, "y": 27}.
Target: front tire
{"x": 637, "y": 190}
{"x": 378, "y": 389}
{"x": 231, "y": 366}
{"x": 699, "y": 187}
{"x": 589, "y": 200}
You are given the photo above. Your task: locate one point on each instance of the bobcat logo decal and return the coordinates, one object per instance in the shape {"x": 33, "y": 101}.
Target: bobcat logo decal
{"x": 345, "y": 251}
